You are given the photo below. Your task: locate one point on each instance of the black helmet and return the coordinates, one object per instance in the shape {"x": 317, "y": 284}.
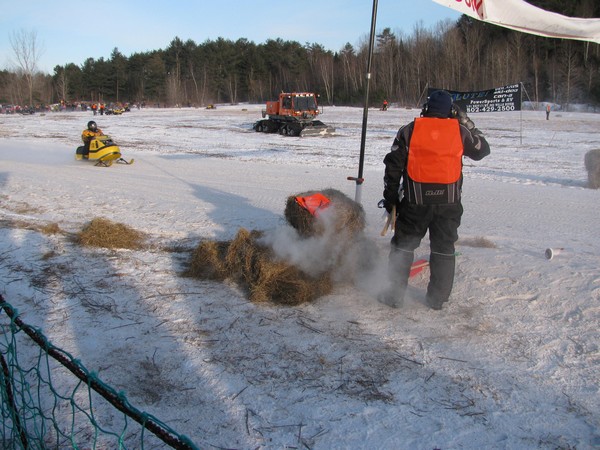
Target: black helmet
{"x": 439, "y": 104}
{"x": 92, "y": 125}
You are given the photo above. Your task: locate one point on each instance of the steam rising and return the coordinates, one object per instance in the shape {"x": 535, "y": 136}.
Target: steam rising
{"x": 349, "y": 257}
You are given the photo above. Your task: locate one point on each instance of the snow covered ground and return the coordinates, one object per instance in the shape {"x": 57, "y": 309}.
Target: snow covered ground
{"x": 512, "y": 361}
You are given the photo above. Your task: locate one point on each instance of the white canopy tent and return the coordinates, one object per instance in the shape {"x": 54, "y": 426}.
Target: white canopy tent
{"x": 522, "y": 16}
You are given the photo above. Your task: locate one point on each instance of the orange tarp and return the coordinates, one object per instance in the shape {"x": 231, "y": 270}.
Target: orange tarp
{"x": 314, "y": 203}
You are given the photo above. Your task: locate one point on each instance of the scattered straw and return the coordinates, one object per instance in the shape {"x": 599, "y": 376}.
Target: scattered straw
{"x": 208, "y": 261}
{"x": 102, "y": 232}
{"x": 51, "y": 228}
{"x": 242, "y": 254}
{"x": 478, "y": 242}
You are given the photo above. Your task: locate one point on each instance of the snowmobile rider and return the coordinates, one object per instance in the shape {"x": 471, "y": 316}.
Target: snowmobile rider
{"x": 90, "y": 133}
{"x": 426, "y": 157}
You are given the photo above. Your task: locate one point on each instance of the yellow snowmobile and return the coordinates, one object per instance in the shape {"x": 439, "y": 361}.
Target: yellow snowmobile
{"x": 102, "y": 150}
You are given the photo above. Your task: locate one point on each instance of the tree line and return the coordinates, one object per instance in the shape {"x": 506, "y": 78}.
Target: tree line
{"x": 464, "y": 55}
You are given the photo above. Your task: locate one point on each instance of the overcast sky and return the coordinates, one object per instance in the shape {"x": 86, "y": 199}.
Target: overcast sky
{"x": 70, "y": 31}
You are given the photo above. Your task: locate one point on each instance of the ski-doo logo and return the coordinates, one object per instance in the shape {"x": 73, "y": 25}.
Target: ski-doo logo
{"x": 434, "y": 192}
{"x": 475, "y": 5}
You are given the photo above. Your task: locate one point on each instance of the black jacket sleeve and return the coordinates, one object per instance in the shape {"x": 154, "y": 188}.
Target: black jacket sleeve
{"x": 395, "y": 163}
{"x": 475, "y": 145}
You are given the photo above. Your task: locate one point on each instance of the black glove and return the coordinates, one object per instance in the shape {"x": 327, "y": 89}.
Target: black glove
{"x": 476, "y": 132}
{"x": 387, "y": 205}
{"x": 462, "y": 117}
{"x": 391, "y": 198}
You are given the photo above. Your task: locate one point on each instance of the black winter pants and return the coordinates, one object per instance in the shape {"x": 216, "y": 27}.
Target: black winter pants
{"x": 412, "y": 223}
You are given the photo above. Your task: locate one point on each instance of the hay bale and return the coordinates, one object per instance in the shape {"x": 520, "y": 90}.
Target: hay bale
{"x": 343, "y": 215}
{"x": 592, "y": 164}
{"x": 285, "y": 284}
{"x": 299, "y": 218}
{"x": 102, "y": 232}
{"x": 255, "y": 268}
{"x": 273, "y": 281}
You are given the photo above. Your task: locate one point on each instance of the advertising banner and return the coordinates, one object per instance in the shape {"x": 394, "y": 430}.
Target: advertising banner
{"x": 500, "y": 99}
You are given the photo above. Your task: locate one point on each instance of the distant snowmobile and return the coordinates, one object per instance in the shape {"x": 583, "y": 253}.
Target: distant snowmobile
{"x": 102, "y": 150}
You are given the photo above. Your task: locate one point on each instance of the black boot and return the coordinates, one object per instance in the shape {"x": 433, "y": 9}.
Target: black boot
{"x": 398, "y": 272}
{"x": 441, "y": 280}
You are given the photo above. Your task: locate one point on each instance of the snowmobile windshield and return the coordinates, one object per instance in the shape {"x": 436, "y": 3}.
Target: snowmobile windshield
{"x": 305, "y": 103}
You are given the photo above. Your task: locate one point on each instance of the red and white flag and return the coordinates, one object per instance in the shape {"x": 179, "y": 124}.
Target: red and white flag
{"x": 522, "y": 16}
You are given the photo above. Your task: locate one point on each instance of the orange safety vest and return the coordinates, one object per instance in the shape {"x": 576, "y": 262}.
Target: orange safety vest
{"x": 434, "y": 164}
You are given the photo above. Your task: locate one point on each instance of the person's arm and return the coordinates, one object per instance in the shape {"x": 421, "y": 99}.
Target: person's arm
{"x": 395, "y": 162}
{"x": 475, "y": 144}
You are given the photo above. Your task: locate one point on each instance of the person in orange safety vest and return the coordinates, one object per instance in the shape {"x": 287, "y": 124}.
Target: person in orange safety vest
{"x": 422, "y": 185}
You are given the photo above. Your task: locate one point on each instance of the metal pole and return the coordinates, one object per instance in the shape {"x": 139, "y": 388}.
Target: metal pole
{"x": 359, "y": 179}
{"x": 521, "y": 109}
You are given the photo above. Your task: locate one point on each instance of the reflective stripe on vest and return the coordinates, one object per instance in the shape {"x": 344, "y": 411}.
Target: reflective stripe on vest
{"x": 435, "y": 151}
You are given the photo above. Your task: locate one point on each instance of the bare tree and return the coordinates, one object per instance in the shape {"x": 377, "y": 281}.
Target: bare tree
{"x": 536, "y": 64}
{"x": 517, "y": 64}
{"x": 321, "y": 63}
{"x": 473, "y": 38}
{"x": 568, "y": 70}
{"x": 27, "y": 53}
{"x": 387, "y": 56}
{"x": 350, "y": 75}
{"x": 62, "y": 82}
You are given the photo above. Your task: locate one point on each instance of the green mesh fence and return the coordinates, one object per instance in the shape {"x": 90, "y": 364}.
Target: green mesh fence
{"x": 51, "y": 401}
